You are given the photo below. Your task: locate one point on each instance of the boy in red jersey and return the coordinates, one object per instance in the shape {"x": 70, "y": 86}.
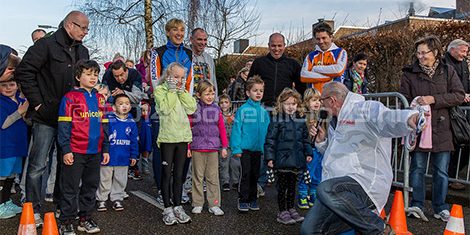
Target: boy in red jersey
{"x": 82, "y": 135}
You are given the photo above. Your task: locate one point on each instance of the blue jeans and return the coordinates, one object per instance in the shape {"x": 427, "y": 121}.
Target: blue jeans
{"x": 342, "y": 204}
{"x": 440, "y": 179}
{"x": 44, "y": 137}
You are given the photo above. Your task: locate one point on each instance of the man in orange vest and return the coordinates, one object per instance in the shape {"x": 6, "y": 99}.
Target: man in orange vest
{"x": 327, "y": 62}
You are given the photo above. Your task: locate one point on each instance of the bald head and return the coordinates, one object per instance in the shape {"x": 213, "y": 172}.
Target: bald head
{"x": 277, "y": 45}
{"x": 336, "y": 89}
{"x": 76, "y": 24}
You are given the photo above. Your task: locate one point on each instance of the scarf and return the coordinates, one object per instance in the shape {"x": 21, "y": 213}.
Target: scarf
{"x": 358, "y": 80}
{"x": 429, "y": 70}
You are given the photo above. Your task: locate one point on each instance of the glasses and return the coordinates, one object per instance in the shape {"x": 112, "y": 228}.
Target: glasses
{"x": 422, "y": 53}
{"x": 83, "y": 28}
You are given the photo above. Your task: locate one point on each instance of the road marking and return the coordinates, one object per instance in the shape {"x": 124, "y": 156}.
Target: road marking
{"x": 148, "y": 198}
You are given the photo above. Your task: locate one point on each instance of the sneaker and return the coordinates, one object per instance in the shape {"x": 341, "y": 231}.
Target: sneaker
{"x": 311, "y": 200}
{"x": 135, "y": 175}
{"x": 254, "y": 206}
{"x": 49, "y": 197}
{"x": 216, "y": 210}
{"x": 184, "y": 198}
{"x": 66, "y": 229}
{"x": 169, "y": 217}
{"x": 243, "y": 206}
{"x": 101, "y": 206}
{"x": 38, "y": 220}
{"x": 126, "y": 196}
{"x": 261, "y": 192}
{"x": 295, "y": 215}
{"x": 444, "y": 215}
{"x": 417, "y": 213}
{"x": 284, "y": 218}
{"x": 57, "y": 213}
{"x": 226, "y": 187}
{"x": 13, "y": 189}
{"x": 88, "y": 226}
{"x": 117, "y": 206}
{"x": 5, "y": 212}
{"x": 197, "y": 210}
{"x": 13, "y": 207}
{"x": 303, "y": 203}
{"x": 159, "y": 199}
{"x": 180, "y": 215}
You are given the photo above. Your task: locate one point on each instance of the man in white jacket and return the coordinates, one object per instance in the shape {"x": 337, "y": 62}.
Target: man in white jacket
{"x": 357, "y": 173}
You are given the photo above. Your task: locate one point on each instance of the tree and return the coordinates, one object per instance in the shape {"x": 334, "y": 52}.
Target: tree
{"x": 226, "y": 21}
{"x": 118, "y": 24}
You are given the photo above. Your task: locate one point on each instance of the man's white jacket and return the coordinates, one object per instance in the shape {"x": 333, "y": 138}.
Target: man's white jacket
{"x": 360, "y": 145}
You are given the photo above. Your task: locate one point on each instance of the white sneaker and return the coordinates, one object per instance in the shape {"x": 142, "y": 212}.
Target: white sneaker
{"x": 38, "y": 220}
{"x": 169, "y": 217}
{"x": 197, "y": 210}
{"x": 444, "y": 215}
{"x": 417, "y": 213}
{"x": 216, "y": 210}
{"x": 181, "y": 215}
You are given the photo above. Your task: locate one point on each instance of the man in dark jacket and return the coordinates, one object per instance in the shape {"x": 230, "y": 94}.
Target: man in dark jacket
{"x": 277, "y": 70}
{"x": 45, "y": 75}
{"x": 456, "y": 57}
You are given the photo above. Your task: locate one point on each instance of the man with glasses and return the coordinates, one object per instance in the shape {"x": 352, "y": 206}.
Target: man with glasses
{"x": 45, "y": 75}
{"x": 357, "y": 174}
{"x": 456, "y": 56}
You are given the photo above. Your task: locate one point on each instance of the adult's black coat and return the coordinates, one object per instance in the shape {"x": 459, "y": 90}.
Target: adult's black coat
{"x": 46, "y": 73}
{"x": 277, "y": 74}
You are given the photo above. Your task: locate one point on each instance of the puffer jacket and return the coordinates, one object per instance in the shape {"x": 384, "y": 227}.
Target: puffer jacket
{"x": 447, "y": 90}
{"x": 287, "y": 142}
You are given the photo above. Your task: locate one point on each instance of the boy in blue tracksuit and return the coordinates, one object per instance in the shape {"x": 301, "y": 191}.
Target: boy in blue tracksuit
{"x": 247, "y": 142}
{"x": 123, "y": 151}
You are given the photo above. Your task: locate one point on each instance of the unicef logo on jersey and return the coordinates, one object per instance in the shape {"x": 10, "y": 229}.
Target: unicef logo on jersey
{"x": 114, "y": 141}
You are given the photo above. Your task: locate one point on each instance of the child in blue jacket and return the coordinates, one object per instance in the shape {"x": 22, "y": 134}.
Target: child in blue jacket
{"x": 287, "y": 150}
{"x": 123, "y": 151}
{"x": 307, "y": 191}
{"x": 247, "y": 141}
{"x": 13, "y": 143}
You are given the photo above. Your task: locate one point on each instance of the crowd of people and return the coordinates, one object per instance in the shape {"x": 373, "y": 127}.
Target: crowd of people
{"x": 86, "y": 136}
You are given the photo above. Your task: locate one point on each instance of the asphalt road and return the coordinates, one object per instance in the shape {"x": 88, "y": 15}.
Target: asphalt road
{"x": 142, "y": 217}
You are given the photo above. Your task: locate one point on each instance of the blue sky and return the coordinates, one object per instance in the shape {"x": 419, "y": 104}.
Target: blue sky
{"x": 20, "y": 17}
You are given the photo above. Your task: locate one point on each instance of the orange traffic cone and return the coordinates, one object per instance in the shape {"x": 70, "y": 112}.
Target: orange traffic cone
{"x": 50, "y": 225}
{"x": 455, "y": 224}
{"x": 397, "y": 219}
{"x": 27, "y": 225}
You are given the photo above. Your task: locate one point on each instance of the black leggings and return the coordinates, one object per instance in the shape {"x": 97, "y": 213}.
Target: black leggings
{"x": 6, "y": 185}
{"x": 286, "y": 183}
{"x": 173, "y": 160}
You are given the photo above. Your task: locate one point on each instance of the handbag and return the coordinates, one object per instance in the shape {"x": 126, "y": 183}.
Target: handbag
{"x": 460, "y": 126}
{"x": 458, "y": 122}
